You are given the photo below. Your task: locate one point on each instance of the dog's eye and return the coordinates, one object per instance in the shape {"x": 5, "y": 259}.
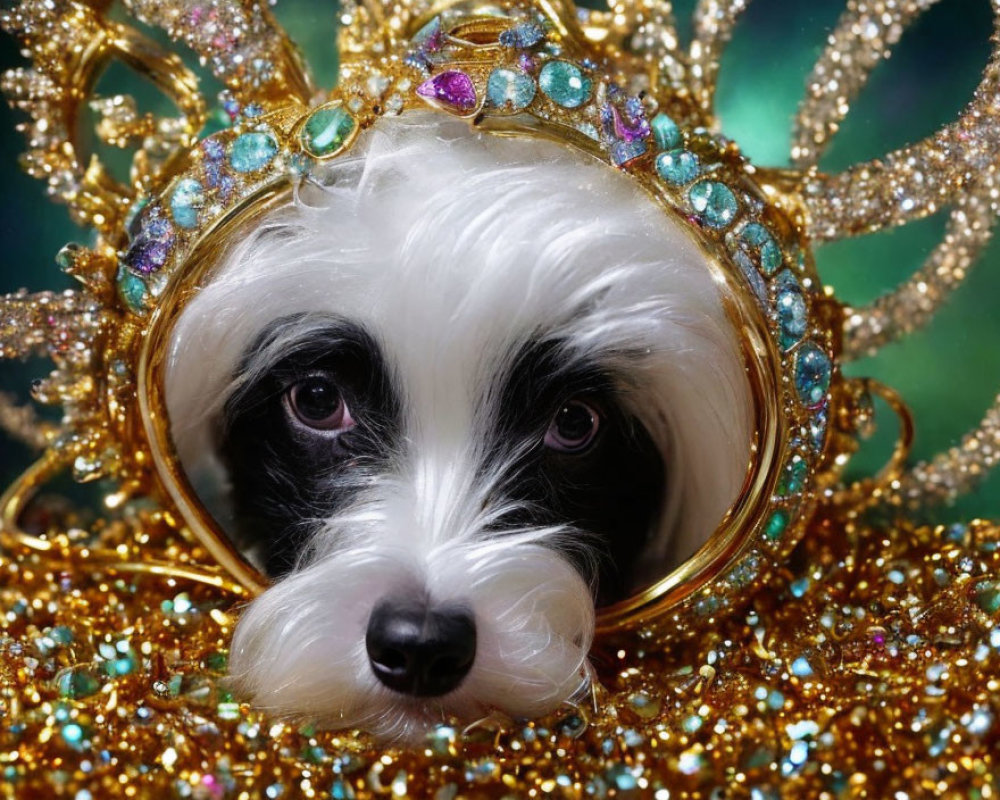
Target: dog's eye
{"x": 317, "y": 402}
{"x": 573, "y": 428}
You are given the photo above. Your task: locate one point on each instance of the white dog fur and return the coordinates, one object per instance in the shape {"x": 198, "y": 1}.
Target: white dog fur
{"x": 455, "y": 249}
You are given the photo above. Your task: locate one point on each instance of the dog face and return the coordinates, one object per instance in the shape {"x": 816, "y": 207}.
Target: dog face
{"x": 458, "y": 391}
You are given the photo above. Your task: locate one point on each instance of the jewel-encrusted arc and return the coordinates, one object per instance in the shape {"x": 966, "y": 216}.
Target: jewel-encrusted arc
{"x": 530, "y": 71}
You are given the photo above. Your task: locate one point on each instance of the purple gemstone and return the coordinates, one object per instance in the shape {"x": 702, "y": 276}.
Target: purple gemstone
{"x": 213, "y": 149}
{"x": 226, "y": 186}
{"x": 452, "y": 88}
{"x": 629, "y": 129}
{"x": 146, "y": 257}
{"x": 151, "y": 246}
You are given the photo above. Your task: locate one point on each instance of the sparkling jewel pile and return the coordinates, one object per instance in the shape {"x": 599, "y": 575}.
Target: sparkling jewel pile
{"x": 869, "y": 668}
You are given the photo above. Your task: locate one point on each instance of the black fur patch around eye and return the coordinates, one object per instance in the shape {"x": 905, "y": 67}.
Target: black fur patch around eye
{"x": 613, "y": 491}
{"x": 285, "y": 477}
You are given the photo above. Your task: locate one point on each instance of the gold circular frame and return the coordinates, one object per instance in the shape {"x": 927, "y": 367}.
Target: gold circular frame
{"x": 723, "y": 547}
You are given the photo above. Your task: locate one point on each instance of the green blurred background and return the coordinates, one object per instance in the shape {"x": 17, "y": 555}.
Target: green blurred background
{"x": 948, "y": 373}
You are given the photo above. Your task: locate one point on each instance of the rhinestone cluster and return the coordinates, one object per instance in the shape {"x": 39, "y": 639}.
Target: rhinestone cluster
{"x": 868, "y": 668}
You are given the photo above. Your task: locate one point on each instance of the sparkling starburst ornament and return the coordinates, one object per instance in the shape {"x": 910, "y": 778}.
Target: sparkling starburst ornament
{"x": 801, "y": 650}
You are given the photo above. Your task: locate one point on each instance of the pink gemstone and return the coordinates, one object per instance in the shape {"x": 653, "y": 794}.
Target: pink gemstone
{"x": 452, "y": 88}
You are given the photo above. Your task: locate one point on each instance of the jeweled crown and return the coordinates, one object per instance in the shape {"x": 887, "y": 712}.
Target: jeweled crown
{"x": 614, "y": 84}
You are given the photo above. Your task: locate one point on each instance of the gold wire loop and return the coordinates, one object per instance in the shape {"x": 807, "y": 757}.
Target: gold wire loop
{"x": 868, "y": 492}
{"x": 16, "y": 499}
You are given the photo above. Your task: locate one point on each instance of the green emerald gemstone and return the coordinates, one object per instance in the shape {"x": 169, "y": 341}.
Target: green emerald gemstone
{"x": 777, "y": 523}
{"x": 250, "y": 152}
{"x": 988, "y": 597}
{"x": 132, "y": 291}
{"x": 665, "y": 132}
{"x": 216, "y": 661}
{"x": 565, "y": 84}
{"x": 714, "y": 202}
{"x": 677, "y": 167}
{"x": 78, "y": 682}
{"x": 327, "y": 130}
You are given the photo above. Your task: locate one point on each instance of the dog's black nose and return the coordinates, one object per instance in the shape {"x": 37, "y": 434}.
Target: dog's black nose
{"x": 418, "y": 650}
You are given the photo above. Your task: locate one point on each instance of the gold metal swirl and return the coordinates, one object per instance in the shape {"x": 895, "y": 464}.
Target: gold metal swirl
{"x": 72, "y": 43}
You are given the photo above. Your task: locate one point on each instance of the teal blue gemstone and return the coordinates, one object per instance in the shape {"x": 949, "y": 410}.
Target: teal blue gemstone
{"x": 299, "y": 164}
{"x": 776, "y": 524}
{"x": 67, "y": 256}
{"x": 621, "y": 778}
{"x": 341, "y": 790}
{"x": 121, "y": 666}
{"x": 510, "y": 89}
{"x": 132, "y": 290}
{"x": 187, "y": 200}
{"x": 813, "y": 370}
{"x": 692, "y": 723}
{"x": 73, "y": 734}
{"x": 61, "y": 634}
{"x": 250, "y": 152}
{"x": 790, "y": 304}
{"x": 565, "y": 84}
{"x": 715, "y": 202}
{"x": 327, "y": 130}
{"x": 801, "y": 667}
{"x": 761, "y": 243}
{"x": 677, "y": 167}
{"x": 665, "y": 132}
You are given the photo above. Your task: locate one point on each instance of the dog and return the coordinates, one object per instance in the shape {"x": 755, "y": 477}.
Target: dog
{"x": 457, "y": 393}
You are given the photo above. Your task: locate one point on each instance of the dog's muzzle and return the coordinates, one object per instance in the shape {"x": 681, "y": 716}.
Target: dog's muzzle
{"x": 418, "y": 650}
